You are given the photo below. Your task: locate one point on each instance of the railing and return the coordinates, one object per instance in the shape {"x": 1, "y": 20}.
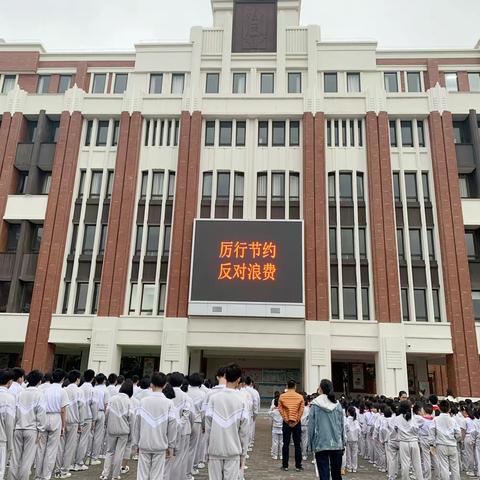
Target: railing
{"x": 212, "y": 42}
{"x": 24, "y": 153}
{"x": 297, "y": 40}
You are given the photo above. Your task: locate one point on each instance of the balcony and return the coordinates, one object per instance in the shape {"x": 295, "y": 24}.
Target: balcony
{"x": 29, "y": 267}
{"x": 23, "y": 159}
{"x": 47, "y": 154}
{"x": 465, "y": 157}
{"x": 7, "y": 261}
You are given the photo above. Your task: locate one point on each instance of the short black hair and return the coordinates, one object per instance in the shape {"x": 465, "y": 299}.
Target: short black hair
{"x": 34, "y": 378}
{"x": 100, "y": 379}
{"x": 112, "y": 379}
{"x": 291, "y": 384}
{"x": 248, "y": 381}
{"x": 169, "y": 392}
{"x": 58, "y": 375}
{"x": 402, "y": 392}
{"x": 47, "y": 377}
{"x": 176, "y": 379}
{"x": 428, "y": 408}
{"x": 444, "y": 406}
{"x": 135, "y": 378}
{"x": 120, "y": 379}
{"x": 6, "y": 375}
{"x": 221, "y": 372}
{"x": 145, "y": 383}
{"x": 18, "y": 373}
{"x": 158, "y": 380}
{"x": 73, "y": 376}
{"x": 195, "y": 380}
{"x": 127, "y": 388}
{"x": 233, "y": 372}
{"x": 433, "y": 399}
{"x": 88, "y": 375}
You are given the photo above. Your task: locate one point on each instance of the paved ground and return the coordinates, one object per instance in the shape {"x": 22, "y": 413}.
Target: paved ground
{"x": 260, "y": 465}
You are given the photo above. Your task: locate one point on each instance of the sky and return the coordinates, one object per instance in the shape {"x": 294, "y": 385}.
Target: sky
{"x": 101, "y": 25}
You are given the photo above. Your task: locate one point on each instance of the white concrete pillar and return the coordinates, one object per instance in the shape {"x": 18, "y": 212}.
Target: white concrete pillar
{"x": 318, "y": 358}
{"x": 174, "y": 354}
{"x": 195, "y": 361}
{"x": 105, "y": 355}
{"x": 391, "y": 360}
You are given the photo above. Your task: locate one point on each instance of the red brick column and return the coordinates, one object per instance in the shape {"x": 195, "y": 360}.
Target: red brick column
{"x": 463, "y": 366}
{"x": 432, "y": 75}
{"x": 463, "y": 84}
{"x": 382, "y": 223}
{"x": 38, "y": 353}
{"x": 179, "y": 218}
{"x": 122, "y": 208}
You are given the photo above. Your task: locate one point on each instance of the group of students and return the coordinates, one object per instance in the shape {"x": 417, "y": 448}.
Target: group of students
{"x": 424, "y": 438}
{"x": 172, "y": 424}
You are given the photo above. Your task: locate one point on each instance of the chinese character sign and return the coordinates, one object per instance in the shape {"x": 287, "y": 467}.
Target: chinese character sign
{"x": 242, "y": 261}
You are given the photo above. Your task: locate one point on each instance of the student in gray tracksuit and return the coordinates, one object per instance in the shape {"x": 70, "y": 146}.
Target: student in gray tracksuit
{"x": 183, "y": 407}
{"x": 7, "y": 418}
{"x": 445, "y": 436}
{"x": 155, "y": 431}
{"x": 91, "y": 411}
{"x": 75, "y": 415}
{"x": 29, "y": 422}
{"x": 56, "y": 401}
{"x": 197, "y": 397}
{"x": 119, "y": 419}
{"x": 227, "y": 429}
{"x": 102, "y": 397}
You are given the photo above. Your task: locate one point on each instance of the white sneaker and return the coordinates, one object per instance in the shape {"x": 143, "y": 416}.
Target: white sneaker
{"x": 304, "y": 458}
{"x": 125, "y": 470}
{"x": 65, "y": 475}
{"x": 95, "y": 462}
{"x": 135, "y": 457}
{"x": 274, "y": 457}
{"x": 201, "y": 465}
{"x": 195, "y": 471}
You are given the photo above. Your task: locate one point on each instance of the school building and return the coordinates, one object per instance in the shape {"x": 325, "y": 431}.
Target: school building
{"x": 306, "y": 208}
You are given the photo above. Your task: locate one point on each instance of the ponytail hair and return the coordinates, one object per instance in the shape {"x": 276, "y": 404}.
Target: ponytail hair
{"x": 352, "y": 412}
{"x": 405, "y": 409}
{"x": 327, "y": 388}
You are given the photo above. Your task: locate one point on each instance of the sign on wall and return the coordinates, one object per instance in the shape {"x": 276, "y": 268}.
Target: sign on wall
{"x": 247, "y": 261}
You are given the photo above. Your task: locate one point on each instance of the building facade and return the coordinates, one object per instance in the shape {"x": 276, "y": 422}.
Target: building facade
{"x": 108, "y": 161}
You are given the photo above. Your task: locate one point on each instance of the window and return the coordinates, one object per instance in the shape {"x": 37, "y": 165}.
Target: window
{"x": 8, "y": 83}
{"x": 278, "y": 186}
{"x": 278, "y": 139}
{"x": 436, "y": 305}
{"x": 66, "y": 296}
{"x": 4, "y": 291}
{"x": 431, "y": 244}
{"x": 73, "y": 241}
{"x": 476, "y": 304}
{"x": 330, "y": 83}
{"x": 346, "y": 186}
{"x": 88, "y": 135}
{"x": 348, "y": 244}
{"x": 54, "y": 131}
{"x": 138, "y": 240}
{"x": 102, "y": 133}
{"x": 22, "y": 183}
{"x": 143, "y": 184}
{"x": 241, "y": 128}
{"x": 262, "y": 134}
{"x": 294, "y": 133}
{"x": 396, "y": 186}
{"x": 81, "y": 299}
{"x": 120, "y": 84}
{"x": 43, "y": 83}
{"x": 416, "y": 244}
{"x": 96, "y": 184}
{"x": 177, "y": 131}
{"x": 103, "y": 239}
{"x": 156, "y": 83}
{"x": 407, "y": 133}
{"x": 148, "y": 294}
{"x": 166, "y": 240}
{"x": 64, "y": 83}
{"x": 153, "y": 234}
{"x": 471, "y": 243}
{"x": 239, "y": 82}
{"x": 405, "y": 312}
{"x": 353, "y": 82}
{"x": 362, "y": 239}
{"x": 225, "y": 138}
{"x": 332, "y": 241}
{"x": 391, "y": 82}
{"x": 133, "y": 298}
{"x": 238, "y": 187}
{"x": 360, "y": 191}
{"x": 267, "y": 83}
{"x": 400, "y": 245}
{"x": 88, "y": 239}
{"x": 262, "y": 186}
{"x": 295, "y": 82}
{"x": 96, "y": 295}
{"x": 334, "y": 298}
{"x": 223, "y": 185}
{"x": 157, "y": 184}
{"x": 46, "y": 183}
{"x": 178, "y": 83}
{"x": 31, "y": 131}
{"x": 365, "y": 304}
{"x": 99, "y": 82}
{"x": 474, "y": 81}
{"x": 350, "y": 303}
{"x": 426, "y": 187}
{"x": 461, "y": 132}
{"x": 26, "y": 299}
{"x": 420, "y": 304}
{"x": 294, "y": 187}
{"x": 213, "y": 80}
{"x": 207, "y": 185}
{"x": 411, "y": 187}
{"x": 451, "y": 82}
{"x": 116, "y": 132}
{"x": 171, "y": 185}
{"x": 414, "y": 83}
{"x": 421, "y": 134}
{"x": 37, "y": 234}
{"x": 463, "y": 185}
{"x": 331, "y": 187}
{"x": 209, "y": 134}
{"x": 13, "y": 236}
{"x": 161, "y": 298}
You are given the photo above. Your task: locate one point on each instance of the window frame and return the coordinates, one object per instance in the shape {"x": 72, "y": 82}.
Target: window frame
{"x": 354, "y": 75}
{"x": 152, "y": 82}
{"x": 390, "y": 74}
{"x": 114, "y": 83}
{"x": 238, "y": 75}
{"x": 408, "y": 74}
{"x": 208, "y": 77}
{"x": 225, "y": 126}
{"x": 330, "y": 75}
{"x": 263, "y": 77}
{"x": 96, "y": 75}
{"x": 289, "y": 77}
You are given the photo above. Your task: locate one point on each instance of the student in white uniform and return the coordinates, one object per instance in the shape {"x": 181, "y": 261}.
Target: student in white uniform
{"x": 30, "y": 421}
{"x": 352, "y": 434}
{"x": 112, "y": 385}
{"x": 389, "y": 435}
{"x": 409, "y": 450}
{"x": 227, "y": 429}
{"x": 18, "y": 378}
{"x": 46, "y": 382}
{"x": 469, "y": 442}
{"x": 445, "y": 435}
{"x": 304, "y": 422}
{"x": 277, "y": 431}
{"x": 7, "y": 419}
{"x": 155, "y": 431}
{"x": 477, "y": 443}
{"x": 144, "y": 389}
{"x": 426, "y": 425}
{"x": 249, "y": 387}
{"x": 102, "y": 397}
{"x": 119, "y": 421}
{"x": 56, "y": 402}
